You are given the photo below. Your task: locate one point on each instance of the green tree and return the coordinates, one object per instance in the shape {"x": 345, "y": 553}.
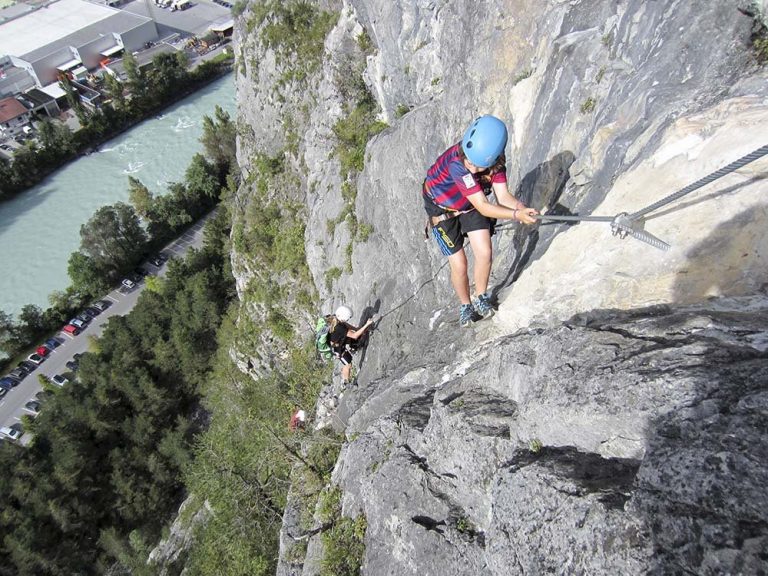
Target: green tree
{"x": 219, "y": 139}
{"x": 139, "y": 196}
{"x": 114, "y": 239}
{"x": 26, "y": 167}
{"x": 87, "y": 277}
{"x": 202, "y": 180}
{"x": 73, "y": 99}
{"x": 7, "y": 179}
{"x": 136, "y": 82}
{"x": 56, "y": 137}
{"x": 169, "y": 74}
{"x": 30, "y": 325}
{"x": 116, "y": 92}
{"x": 8, "y": 343}
{"x": 169, "y": 213}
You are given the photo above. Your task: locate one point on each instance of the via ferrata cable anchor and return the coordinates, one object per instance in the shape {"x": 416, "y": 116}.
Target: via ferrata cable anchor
{"x": 624, "y": 225}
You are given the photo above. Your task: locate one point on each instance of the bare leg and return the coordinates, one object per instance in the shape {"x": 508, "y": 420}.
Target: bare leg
{"x": 459, "y": 278}
{"x": 346, "y": 371}
{"x": 480, "y": 240}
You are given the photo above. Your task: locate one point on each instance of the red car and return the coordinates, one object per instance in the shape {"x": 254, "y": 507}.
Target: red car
{"x": 70, "y": 329}
{"x": 43, "y": 351}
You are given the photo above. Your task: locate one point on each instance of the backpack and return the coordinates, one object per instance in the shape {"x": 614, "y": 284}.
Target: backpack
{"x": 322, "y": 333}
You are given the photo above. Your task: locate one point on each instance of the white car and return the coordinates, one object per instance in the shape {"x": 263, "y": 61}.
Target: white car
{"x": 128, "y": 283}
{"x": 59, "y": 380}
{"x": 13, "y": 432}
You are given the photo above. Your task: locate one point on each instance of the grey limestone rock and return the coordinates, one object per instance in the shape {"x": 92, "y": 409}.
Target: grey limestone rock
{"x": 611, "y": 419}
{"x": 617, "y": 443}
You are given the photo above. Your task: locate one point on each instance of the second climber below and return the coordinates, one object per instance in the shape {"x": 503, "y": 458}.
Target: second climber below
{"x": 346, "y": 339}
{"x": 455, "y": 197}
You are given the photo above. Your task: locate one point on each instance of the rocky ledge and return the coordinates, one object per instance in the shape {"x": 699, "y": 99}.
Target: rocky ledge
{"x": 616, "y": 443}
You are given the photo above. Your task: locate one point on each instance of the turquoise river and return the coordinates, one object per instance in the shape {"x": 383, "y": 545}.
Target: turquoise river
{"x": 40, "y": 228}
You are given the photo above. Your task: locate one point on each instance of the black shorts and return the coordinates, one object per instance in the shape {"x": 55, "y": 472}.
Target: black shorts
{"x": 345, "y": 356}
{"x": 449, "y": 234}
{"x": 350, "y": 346}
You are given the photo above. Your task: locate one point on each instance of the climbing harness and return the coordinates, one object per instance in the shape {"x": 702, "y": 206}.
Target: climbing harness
{"x": 625, "y": 224}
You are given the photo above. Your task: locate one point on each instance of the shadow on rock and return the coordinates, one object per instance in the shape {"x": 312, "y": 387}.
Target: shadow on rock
{"x": 368, "y": 312}
{"x": 729, "y": 262}
{"x": 541, "y": 188}
{"x": 701, "y": 487}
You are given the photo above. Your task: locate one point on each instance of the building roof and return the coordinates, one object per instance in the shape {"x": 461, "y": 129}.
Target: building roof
{"x": 54, "y": 90}
{"x": 119, "y": 22}
{"x": 142, "y": 58}
{"x": 62, "y": 23}
{"x": 38, "y": 97}
{"x": 222, "y": 24}
{"x": 14, "y": 11}
{"x": 11, "y": 108}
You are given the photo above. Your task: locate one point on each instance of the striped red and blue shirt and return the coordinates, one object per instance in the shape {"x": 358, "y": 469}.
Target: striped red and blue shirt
{"x": 449, "y": 182}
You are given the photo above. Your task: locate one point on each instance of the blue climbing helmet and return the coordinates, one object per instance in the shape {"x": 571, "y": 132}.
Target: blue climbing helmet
{"x": 484, "y": 141}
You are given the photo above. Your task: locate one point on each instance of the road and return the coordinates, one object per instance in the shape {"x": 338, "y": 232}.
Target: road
{"x": 123, "y": 301}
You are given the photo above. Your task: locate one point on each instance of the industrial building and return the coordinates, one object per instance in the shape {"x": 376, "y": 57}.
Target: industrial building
{"x": 65, "y": 36}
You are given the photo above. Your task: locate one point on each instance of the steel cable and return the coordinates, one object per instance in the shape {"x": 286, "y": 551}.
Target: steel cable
{"x": 751, "y": 157}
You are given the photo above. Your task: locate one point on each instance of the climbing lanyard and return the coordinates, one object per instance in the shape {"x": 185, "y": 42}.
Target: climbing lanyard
{"x": 625, "y": 224}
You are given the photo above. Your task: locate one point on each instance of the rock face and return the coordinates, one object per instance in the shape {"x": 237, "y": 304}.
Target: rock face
{"x": 615, "y": 443}
{"x": 612, "y": 417}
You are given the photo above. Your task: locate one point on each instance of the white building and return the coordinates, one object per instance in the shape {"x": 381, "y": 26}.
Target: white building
{"x": 68, "y": 36}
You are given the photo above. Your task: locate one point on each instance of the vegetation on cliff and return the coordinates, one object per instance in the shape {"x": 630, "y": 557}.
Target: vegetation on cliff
{"x": 103, "y": 473}
{"x": 249, "y": 466}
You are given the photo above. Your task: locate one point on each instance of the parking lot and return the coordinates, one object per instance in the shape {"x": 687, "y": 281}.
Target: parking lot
{"x": 194, "y": 21}
{"x": 12, "y": 405}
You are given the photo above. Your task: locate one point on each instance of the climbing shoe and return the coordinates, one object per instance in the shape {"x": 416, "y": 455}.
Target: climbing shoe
{"x": 466, "y": 314}
{"x": 482, "y": 305}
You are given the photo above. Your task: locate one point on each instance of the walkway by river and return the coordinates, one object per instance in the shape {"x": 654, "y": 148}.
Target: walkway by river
{"x": 40, "y": 228}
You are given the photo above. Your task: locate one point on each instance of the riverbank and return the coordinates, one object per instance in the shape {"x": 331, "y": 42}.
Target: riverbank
{"x": 30, "y": 167}
{"x": 41, "y": 228}
{"x": 224, "y": 70}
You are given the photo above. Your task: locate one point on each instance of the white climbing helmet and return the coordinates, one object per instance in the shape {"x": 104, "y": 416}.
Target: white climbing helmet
{"x": 343, "y": 313}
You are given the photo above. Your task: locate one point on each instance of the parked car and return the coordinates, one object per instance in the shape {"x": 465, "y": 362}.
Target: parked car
{"x": 78, "y": 322}
{"x": 155, "y": 261}
{"x": 42, "y": 351}
{"x": 3, "y": 392}
{"x": 71, "y": 329}
{"x": 26, "y": 365}
{"x": 93, "y": 311}
{"x": 128, "y": 283}
{"x": 12, "y": 432}
{"x": 36, "y": 359}
{"x": 102, "y": 305}
{"x": 85, "y": 316}
{"x": 33, "y": 406}
{"x": 72, "y": 365}
{"x": 140, "y": 272}
{"x": 8, "y": 383}
{"x": 59, "y": 380}
{"x": 18, "y": 373}
{"x": 43, "y": 396}
{"x": 52, "y": 343}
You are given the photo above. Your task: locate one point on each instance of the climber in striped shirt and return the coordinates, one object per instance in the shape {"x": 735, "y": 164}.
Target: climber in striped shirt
{"x": 455, "y": 198}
